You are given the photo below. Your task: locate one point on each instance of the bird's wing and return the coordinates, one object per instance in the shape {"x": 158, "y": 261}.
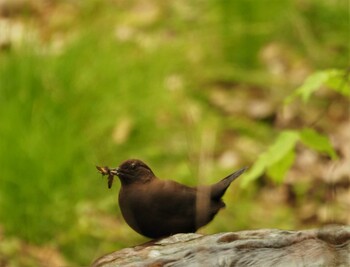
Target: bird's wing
{"x": 186, "y": 206}
{"x": 163, "y": 196}
{"x": 173, "y": 199}
{"x": 219, "y": 189}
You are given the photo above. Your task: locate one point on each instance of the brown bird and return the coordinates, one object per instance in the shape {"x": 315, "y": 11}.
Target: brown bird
{"x": 158, "y": 208}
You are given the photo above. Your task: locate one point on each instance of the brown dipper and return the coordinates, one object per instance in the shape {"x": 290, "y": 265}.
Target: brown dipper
{"x": 158, "y": 208}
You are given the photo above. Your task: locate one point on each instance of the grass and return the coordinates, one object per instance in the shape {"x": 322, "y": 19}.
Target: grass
{"x": 101, "y": 100}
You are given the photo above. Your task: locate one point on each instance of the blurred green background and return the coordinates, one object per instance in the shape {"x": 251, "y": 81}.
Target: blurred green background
{"x": 193, "y": 88}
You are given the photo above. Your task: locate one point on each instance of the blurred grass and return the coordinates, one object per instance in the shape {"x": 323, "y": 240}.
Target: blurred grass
{"x": 102, "y": 100}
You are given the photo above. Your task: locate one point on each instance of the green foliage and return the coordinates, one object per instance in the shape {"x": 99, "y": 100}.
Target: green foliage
{"x": 318, "y": 142}
{"x": 277, "y": 159}
{"x": 334, "y": 79}
{"x": 280, "y": 156}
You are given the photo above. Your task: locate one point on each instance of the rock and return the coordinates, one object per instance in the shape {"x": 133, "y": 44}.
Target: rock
{"x": 329, "y": 246}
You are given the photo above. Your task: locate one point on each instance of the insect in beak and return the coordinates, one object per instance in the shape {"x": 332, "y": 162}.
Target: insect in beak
{"x": 107, "y": 171}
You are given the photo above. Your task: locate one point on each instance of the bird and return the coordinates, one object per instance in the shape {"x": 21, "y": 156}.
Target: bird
{"x": 157, "y": 208}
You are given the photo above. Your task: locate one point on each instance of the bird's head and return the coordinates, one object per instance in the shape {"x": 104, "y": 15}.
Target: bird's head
{"x": 133, "y": 171}
{"x": 129, "y": 172}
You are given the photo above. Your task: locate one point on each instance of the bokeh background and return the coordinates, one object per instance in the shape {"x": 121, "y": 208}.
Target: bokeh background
{"x": 194, "y": 88}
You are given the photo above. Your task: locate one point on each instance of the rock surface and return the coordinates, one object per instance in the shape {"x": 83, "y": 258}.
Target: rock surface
{"x": 328, "y": 246}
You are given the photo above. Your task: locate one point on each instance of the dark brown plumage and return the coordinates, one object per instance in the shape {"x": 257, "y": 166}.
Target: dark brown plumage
{"x": 157, "y": 208}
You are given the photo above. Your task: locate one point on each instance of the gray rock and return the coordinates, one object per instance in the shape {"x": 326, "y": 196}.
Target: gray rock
{"x": 328, "y": 246}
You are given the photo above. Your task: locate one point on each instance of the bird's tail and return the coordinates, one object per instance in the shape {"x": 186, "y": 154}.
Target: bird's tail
{"x": 219, "y": 189}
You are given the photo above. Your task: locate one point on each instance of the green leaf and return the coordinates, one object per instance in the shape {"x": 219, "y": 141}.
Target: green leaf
{"x": 254, "y": 172}
{"x": 284, "y": 144}
{"x": 317, "y": 141}
{"x": 278, "y": 170}
{"x": 280, "y": 156}
{"x": 334, "y": 79}
{"x": 311, "y": 84}
{"x": 339, "y": 81}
